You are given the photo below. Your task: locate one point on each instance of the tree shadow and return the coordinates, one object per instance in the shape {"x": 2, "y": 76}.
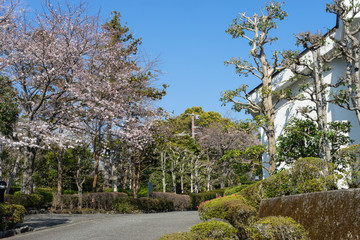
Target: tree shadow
{"x": 45, "y": 222}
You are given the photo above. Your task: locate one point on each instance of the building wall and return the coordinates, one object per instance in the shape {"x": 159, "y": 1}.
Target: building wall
{"x": 285, "y": 110}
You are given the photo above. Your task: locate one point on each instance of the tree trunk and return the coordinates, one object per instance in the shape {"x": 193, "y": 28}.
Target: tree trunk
{"x": 1, "y": 162}
{"x": 106, "y": 172}
{"x": 163, "y": 169}
{"x": 60, "y": 171}
{"x": 125, "y": 178}
{"x": 96, "y": 172}
{"x": 173, "y": 176}
{"x": 14, "y": 173}
{"x": 28, "y": 176}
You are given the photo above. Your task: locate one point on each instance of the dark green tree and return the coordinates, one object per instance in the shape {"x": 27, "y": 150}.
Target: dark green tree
{"x": 301, "y": 138}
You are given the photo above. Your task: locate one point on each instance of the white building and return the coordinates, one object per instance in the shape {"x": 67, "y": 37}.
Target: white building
{"x": 286, "y": 109}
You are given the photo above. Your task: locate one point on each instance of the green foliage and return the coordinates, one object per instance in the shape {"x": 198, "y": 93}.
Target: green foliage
{"x": 123, "y": 207}
{"x": 127, "y": 205}
{"x": 231, "y": 208}
{"x": 214, "y": 230}
{"x": 197, "y": 198}
{"x": 306, "y": 175}
{"x": 9, "y": 111}
{"x": 301, "y": 139}
{"x": 10, "y": 215}
{"x": 46, "y": 193}
{"x": 69, "y": 191}
{"x": 108, "y": 190}
{"x": 115, "y": 201}
{"x": 143, "y": 191}
{"x": 235, "y": 189}
{"x": 181, "y": 202}
{"x": 178, "y": 236}
{"x": 46, "y": 168}
{"x": 26, "y": 200}
{"x": 350, "y": 158}
{"x": 282, "y": 228}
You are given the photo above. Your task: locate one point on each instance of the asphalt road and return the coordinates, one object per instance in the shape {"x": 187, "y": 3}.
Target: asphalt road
{"x": 107, "y": 226}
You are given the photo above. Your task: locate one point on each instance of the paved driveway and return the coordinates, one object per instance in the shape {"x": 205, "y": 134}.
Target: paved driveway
{"x": 107, "y": 226}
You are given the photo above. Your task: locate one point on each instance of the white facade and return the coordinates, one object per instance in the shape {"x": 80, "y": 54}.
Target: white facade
{"x": 285, "y": 109}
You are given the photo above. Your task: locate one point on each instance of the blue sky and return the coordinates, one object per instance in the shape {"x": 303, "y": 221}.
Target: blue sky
{"x": 188, "y": 38}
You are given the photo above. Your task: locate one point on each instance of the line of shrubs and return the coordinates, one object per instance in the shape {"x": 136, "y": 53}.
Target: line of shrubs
{"x": 112, "y": 201}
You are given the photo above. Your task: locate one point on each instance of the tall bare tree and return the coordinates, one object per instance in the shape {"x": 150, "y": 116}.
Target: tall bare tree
{"x": 348, "y": 47}
{"x": 256, "y": 30}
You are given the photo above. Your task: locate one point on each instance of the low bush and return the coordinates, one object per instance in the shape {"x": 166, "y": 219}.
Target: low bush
{"x": 101, "y": 200}
{"x": 230, "y": 208}
{"x": 26, "y": 200}
{"x": 46, "y": 193}
{"x": 235, "y": 189}
{"x": 197, "y": 198}
{"x": 114, "y": 201}
{"x": 283, "y": 228}
{"x": 214, "y": 230}
{"x": 10, "y": 216}
{"x": 128, "y": 205}
{"x": 178, "y": 236}
{"x": 181, "y": 202}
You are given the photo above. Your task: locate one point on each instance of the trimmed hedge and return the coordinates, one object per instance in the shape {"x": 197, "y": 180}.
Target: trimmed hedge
{"x": 27, "y": 200}
{"x": 10, "y": 216}
{"x": 181, "y": 202}
{"x": 197, "y": 198}
{"x": 231, "y": 208}
{"x": 306, "y": 175}
{"x": 46, "y": 193}
{"x": 214, "y": 230}
{"x": 284, "y": 228}
{"x": 101, "y": 200}
{"x": 146, "y": 205}
{"x": 114, "y": 201}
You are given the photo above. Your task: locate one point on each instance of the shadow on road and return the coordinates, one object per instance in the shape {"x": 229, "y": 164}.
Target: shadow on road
{"x": 46, "y": 222}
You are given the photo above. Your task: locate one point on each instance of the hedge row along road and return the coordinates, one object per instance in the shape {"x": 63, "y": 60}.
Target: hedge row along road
{"x": 107, "y": 226}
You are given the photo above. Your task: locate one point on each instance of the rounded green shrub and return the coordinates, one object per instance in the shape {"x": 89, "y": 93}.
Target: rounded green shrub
{"x": 282, "y": 228}
{"x": 46, "y": 193}
{"x": 214, "y": 230}
{"x": 231, "y": 208}
{"x": 11, "y": 215}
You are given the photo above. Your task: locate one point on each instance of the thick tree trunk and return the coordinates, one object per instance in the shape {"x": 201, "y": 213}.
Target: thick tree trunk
{"x": 106, "y": 172}
{"x": 14, "y": 173}
{"x": 270, "y": 127}
{"x": 28, "y": 176}
{"x": 125, "y": 179}
{"x": 96, "y": 172}
{"x": 321, "y": 106}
